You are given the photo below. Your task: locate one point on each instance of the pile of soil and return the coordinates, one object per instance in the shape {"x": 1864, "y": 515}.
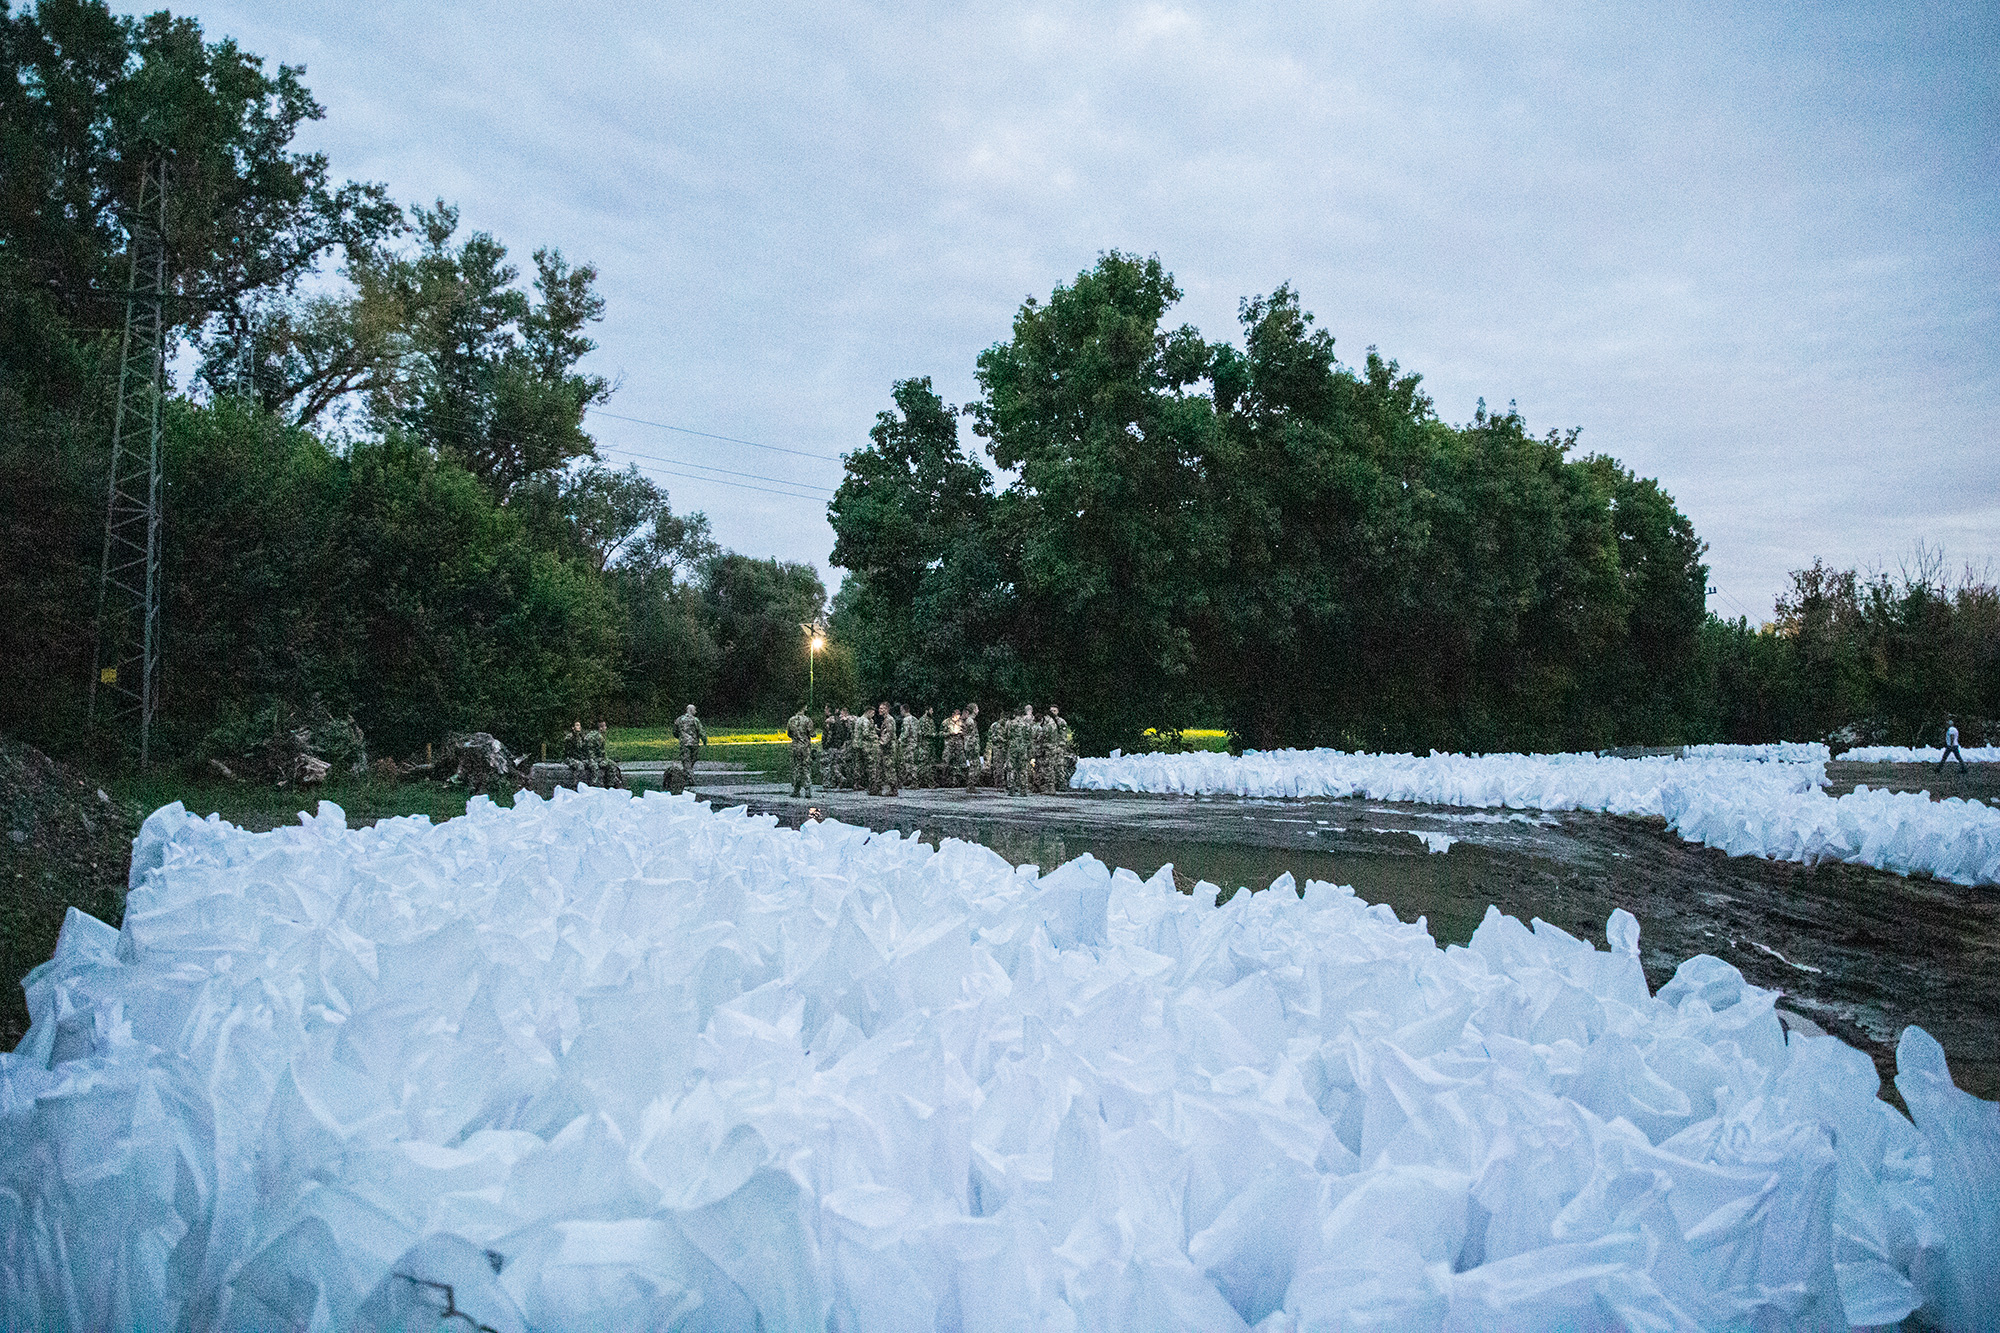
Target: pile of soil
{"x": 63, "y": 843}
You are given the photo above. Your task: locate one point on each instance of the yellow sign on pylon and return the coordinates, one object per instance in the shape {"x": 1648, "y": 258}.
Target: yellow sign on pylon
{"x": 107, "y": 676}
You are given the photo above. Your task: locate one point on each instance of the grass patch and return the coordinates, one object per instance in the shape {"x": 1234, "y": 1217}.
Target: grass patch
{"x": 1213, "y": 739}
{"x": 259, "y": 808}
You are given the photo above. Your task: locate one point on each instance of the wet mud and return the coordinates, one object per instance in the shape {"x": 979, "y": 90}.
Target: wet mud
{"x": 1860, "y": 953}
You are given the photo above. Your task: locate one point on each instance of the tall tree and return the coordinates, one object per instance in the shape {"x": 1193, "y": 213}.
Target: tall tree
{"x": 492, "y": 379}
{"x": 911, "y": 524}
{"x": 1109, "y": 522}
{"x": 87, "y": 100}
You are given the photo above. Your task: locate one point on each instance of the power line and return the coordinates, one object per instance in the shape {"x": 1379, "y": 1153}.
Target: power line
{"x": 754, "y": 476}
{"x": 709, "y": 435}
{"x": 509, "y": 437}
{"x": 739, "y": 485}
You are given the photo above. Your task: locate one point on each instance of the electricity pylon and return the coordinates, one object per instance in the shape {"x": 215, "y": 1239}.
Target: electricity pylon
{"x": 125, "y": 683}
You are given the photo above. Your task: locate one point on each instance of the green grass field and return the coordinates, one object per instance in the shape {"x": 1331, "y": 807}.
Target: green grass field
{"x": 759, "y": 749}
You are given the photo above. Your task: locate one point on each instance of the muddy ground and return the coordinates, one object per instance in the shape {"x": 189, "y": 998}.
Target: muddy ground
{"x": 1858, "y": 952}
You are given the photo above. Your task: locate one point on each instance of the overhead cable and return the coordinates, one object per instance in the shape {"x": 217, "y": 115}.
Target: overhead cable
{"x": 709, "y": 435}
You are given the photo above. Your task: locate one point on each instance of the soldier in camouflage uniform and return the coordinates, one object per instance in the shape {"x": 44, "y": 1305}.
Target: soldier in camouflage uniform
{"x": 865, "y": 753}
{"x": 576, "y": 755}
{"x": 858, "y": 763}
{"x": 996, "y": 749}
{"x": 954, "y": 749}
{"x": 971, "y": 746}
{"x": 927, "y": 750}
{"x": 1020, "y": 749}
{"x": 886, "y": 747}
{"x": 1065, "y": 749}
{"x": 909, "y": 748}
{"x": 693, "y": 735}
{"x": 800, "y": 731}
{"x": 597, "y": 757}
{"x": 1043, "y": 747}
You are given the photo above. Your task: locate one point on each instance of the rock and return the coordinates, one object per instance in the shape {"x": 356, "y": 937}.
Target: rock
{"x": 222, "y": 770}
{"x": 543, "y": 779}
{"x": 310, "y": 770}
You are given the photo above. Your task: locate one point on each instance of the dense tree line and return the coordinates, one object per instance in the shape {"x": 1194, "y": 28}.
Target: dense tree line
{"x": 1195, "y": 530}
{"x": 1874, "y": 658}
{"x": 380, "y": 496}
{"x": 1176, "y": 531}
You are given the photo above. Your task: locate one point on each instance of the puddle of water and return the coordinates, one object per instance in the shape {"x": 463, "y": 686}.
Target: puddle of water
{"x": 1451, "y": 890}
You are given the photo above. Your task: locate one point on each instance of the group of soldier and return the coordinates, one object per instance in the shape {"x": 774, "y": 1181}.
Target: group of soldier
{"x": 882, "y": 751}
{"x": 589, "y": 763}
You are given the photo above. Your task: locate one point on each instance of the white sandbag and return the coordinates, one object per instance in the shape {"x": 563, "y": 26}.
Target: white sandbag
{"x": 1746, "y": 800}
{"x": 613, "y": 1062}
{"x": 1918, "y": 754}
{"x": 1962, "y": 1285}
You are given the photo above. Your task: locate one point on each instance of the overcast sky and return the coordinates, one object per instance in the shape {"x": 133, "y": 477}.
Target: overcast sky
{"x": 1751, "y": 250}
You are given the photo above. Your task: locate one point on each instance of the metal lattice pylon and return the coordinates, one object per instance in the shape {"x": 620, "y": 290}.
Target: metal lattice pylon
{"x": 124, "y": 686}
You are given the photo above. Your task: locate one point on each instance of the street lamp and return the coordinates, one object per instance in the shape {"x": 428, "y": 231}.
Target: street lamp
{"x": 815, "y": 640}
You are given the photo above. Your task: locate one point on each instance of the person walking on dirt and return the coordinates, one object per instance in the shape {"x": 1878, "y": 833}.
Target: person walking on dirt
{"x": 1950, "y": 750}
{"x": 693, "y": 736}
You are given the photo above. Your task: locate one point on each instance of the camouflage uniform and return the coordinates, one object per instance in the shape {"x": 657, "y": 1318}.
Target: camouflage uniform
{"x": 954, "y": 750}
{"x": 1020, "y": 742}
{"x": 927, "y": 750}
{"x": 909, "y": 750}
{"x": 971, "y": 749}
{"x": 829, "y": 755}
{"x": 1065, "y": 752}
{"x": 576, "y": 754}
{"x": 693, "y": 736}
{"x": 885, "y": 772}
{"x": 996, "y": 750}
{"x": 1043, "y": 742}
{"x": 867, "y": 748}
{"x": 800, "y": 730}
{"x": 597, "y": 760}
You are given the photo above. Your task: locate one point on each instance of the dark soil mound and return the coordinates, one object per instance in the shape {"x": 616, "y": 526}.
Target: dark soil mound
{"x": 62, "y": 843}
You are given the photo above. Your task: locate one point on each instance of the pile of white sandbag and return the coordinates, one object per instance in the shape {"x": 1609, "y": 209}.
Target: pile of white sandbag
{"x": 1777, "y": 752}
{"x": 616, "y": 1063}
{"x": 1508, "y": 781}
{"x": 1918, "y": 754}
{"x": 1952, "y": 839}
{"x": 1759, "y": 804}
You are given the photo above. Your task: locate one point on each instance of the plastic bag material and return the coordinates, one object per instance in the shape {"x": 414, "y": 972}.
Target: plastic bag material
{"x": 608, "y": 1062}
{"x": 1763, "y": 801}
{"x": 1961, "y": 1285}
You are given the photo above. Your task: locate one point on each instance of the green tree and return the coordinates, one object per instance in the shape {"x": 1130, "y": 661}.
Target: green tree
{"x": 491, "y": 378}
{"x": 1108, "y": 529}
{"x": 87, "y": 100}
{"x": 756, "y": 609}
{"x": 912, "y": 524}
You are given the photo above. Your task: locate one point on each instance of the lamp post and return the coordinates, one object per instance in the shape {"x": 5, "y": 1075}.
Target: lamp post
{"x": 815, "y": 640}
